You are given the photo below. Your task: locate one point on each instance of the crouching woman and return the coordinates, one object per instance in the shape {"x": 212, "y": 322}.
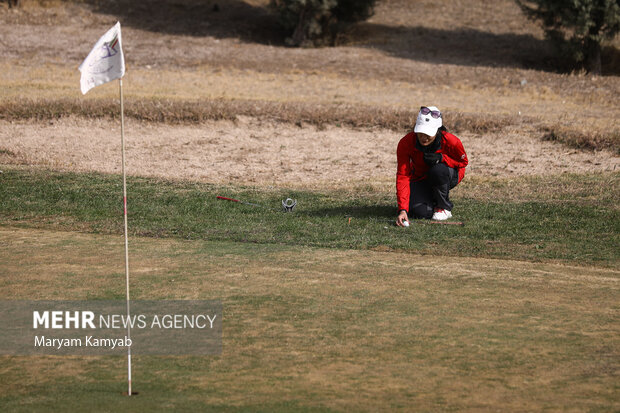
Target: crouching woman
{"x": 431, "y": 161}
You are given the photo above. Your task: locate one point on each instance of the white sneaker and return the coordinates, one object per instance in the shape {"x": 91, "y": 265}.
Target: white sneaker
{"x": 441, "y": 214}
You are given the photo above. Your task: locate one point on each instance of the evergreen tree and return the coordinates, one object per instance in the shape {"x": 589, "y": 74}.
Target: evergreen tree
{"x": 315, "y": 22}
{"x": 578, "y": 27}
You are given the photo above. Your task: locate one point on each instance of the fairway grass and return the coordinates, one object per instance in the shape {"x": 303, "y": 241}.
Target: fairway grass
{"x": 567, "y": 218}
{"x": 323, "y": 329}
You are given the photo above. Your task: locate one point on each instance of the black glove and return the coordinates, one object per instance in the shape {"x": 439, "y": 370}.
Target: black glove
{"x": 432, "y": 159}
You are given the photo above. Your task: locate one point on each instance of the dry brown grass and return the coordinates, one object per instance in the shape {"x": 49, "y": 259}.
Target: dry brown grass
{"x": 171, "y": 111}
{"x": 178, "y": 112}
{"x": 585, "y": 139}
{"x": 267, "y": 153}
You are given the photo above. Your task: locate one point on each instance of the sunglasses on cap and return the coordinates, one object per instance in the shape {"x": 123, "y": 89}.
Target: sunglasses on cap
{"x": 434, "y": 113}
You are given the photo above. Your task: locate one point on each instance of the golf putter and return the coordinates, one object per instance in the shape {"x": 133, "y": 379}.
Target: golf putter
{"x": 288, "y": 204}
{"x": 431, "y": 222}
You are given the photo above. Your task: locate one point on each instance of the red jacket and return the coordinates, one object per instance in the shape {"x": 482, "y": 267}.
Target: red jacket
{"x": 411, "y": 165}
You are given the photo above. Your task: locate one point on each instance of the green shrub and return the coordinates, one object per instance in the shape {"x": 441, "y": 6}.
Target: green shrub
{"x": 578, "y": 27}
{"x": 316, "y": 22}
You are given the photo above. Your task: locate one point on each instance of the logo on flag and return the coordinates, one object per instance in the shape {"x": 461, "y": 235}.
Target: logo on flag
{"x": 105, "y": 62}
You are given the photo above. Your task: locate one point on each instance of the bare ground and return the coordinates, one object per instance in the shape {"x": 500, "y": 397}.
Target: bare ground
{"x": 250, "y": 151}
{"x": 479, "y": 58}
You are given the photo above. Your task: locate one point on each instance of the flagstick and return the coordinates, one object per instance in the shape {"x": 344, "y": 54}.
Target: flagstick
{"x": 120, "y": 83}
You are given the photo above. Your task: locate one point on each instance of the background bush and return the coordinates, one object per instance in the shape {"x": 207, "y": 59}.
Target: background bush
{"x": 577, "y": 27}
{"x": 316, "y": 22}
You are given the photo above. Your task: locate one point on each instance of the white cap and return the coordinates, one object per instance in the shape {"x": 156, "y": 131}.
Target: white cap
{"x": 427, "y": 124}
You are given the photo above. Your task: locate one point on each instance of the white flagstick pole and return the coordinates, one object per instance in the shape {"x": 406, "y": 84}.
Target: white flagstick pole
{"x": 120, "y": 83}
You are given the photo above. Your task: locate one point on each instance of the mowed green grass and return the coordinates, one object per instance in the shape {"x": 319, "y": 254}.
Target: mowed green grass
{"x": 323, "y": 313}
{"x": 568, "y": 218}
{"x": 324, "y": 329}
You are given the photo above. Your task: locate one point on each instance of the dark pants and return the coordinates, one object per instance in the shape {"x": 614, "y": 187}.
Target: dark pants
{"x": 433, "y": 191}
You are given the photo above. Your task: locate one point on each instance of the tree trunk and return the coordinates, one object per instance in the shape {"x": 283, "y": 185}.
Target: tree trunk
{"x": 593, "y": 58}
{"x": 300, "y": 35}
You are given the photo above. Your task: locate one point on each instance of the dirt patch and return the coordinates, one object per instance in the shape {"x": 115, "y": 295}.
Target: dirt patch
{"x": 474, "y": 59}
{"x": 254, "y": 152}
{"x": 183, "y": 53}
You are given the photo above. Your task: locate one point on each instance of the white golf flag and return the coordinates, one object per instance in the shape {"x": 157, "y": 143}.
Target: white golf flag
{"x": 105, "y": 62}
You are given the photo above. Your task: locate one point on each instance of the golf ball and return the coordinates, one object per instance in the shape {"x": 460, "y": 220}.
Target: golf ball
{"x": 405, "y": 223}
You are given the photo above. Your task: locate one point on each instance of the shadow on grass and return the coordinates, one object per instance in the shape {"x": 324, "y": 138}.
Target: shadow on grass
{"x": 375, "y": 211}
{"x": 464, "y": 46}
{"x": 259, "y": 24}
{"x": 218, "y": 18}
